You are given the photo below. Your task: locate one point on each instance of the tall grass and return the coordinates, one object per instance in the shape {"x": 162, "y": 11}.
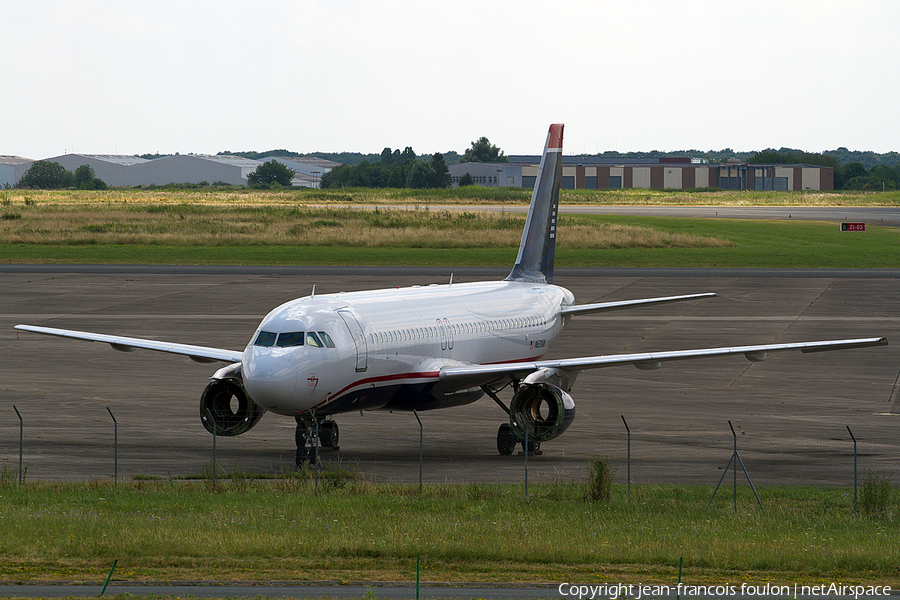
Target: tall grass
{"x": 218, "y": 225}
{"x": 264, "y": 530}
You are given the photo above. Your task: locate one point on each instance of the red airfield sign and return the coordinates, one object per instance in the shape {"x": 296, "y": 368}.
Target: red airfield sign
{"x": 853, "y": 226}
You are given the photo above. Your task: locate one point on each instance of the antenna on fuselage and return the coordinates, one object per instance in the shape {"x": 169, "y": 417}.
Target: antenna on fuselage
{"x": 313, "y": 295}
{"x": 451, "y": 280}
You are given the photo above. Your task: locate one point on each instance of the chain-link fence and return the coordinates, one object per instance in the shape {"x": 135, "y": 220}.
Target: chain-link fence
{"x": 400, "y": 448}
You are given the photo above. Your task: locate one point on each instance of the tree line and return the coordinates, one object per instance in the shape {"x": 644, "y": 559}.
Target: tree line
{"x": 47, "y": 175}
{"x": 395, "y": 169}
{"x": 847, "y": 176}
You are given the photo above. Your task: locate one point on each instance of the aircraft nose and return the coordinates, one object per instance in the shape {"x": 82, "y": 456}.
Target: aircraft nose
{"x": 269, "y": 377}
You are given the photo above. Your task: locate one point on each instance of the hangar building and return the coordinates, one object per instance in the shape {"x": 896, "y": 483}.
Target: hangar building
{"x": 600, "y": 173}
{"x": 309, "y": 170}
{"x": 12, "y": 168}
{"x": 129, "y": 171}
{"x": 111, "y": 168}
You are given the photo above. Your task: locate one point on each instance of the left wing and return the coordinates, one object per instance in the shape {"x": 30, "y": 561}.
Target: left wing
{"x": 126, "y": 344}
{"x": 463, "y": 377}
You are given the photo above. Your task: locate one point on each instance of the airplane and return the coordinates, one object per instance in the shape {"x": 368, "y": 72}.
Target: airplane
{"x": 426, "y": 347}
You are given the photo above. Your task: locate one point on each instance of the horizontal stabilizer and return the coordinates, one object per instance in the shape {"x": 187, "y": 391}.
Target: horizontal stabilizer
{"x": 606, "y": 306}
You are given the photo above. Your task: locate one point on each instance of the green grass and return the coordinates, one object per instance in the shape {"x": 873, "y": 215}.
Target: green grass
{"x": 767, "y": 244}
{"x": 248, "y": 227}
{"x": 281, "y": 530}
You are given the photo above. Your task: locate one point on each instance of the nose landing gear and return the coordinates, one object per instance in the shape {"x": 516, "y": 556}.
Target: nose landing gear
{"x": 312, "y": 433}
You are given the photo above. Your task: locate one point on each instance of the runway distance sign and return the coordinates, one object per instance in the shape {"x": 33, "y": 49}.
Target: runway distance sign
{"x": 853, "y": 226}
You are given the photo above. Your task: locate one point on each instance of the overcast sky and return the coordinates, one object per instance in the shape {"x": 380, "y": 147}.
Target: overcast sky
{"x": 132, "y": 77}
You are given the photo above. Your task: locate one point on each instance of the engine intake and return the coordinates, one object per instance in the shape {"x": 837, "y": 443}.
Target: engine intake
{"x": 232, "y": 409}
{"x": 543, "y": 410}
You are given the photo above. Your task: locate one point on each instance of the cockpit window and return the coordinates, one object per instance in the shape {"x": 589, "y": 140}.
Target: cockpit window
{"x": 292, "y": 339}
{"x": 327, "y": 339}
{"x": 287, "y": 340}
{"x": 266, "y": 339}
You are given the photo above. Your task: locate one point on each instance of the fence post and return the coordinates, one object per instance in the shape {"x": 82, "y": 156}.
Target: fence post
{"x": 115, "y": 448}
{"x": 215, "y": 435}
{"x": 855, "y": 507}
{"x": 735, "y": 459}
{"x": 21, "y": 474}
{"x": 628, "y": 429}
{"x": 526, "y": 462}
{"x": 420, "y": 448}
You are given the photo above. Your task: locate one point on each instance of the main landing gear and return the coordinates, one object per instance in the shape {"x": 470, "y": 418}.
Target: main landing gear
{"x": 306, "y": 434}
{"x": 508, "y": 437}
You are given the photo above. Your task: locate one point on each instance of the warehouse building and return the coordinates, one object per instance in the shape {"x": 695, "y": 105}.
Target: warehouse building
{"x": 12, "y": 168}
{"x": 111, "y": 168}
{"x": 130, "y": 171}
{"x": 599, "y": 173}
{"x": 193, "y": 168}
{"x": 309, "y": 171}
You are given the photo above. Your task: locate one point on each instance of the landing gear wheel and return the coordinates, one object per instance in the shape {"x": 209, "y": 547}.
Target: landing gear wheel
{"x": 506, "y": 439}
{"x": 328, "y": 435}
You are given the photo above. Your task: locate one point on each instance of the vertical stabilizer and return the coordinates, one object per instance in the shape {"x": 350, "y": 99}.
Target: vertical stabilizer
{"x": 535, "y": 260}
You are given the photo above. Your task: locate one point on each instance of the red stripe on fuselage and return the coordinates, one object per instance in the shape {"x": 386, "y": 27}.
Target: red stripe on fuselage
{"x": 435, "y": 375}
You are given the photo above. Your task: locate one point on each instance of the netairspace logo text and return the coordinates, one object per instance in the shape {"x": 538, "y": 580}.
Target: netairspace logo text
{"x": 639, "y": 591}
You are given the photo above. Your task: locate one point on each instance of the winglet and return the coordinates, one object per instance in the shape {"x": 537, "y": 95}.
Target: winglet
{"x": 534, "y": 263}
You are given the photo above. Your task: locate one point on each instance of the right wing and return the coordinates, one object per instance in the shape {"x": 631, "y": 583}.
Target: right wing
{"x": 201, "y": 354}
{"x": 462, "y": 377}
{"x": 605, "y": 306}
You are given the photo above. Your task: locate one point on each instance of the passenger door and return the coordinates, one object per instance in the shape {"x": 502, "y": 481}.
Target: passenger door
{"x": 359, "y": 338}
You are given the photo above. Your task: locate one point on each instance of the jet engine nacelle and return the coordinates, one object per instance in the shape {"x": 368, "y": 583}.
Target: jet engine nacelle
{"x": 232, "y": 408}
{"x": 541, "y": 409}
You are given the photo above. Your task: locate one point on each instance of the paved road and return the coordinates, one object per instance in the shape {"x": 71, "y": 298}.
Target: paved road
{"x": 790, "y": 412}
{"x": 874, "y": 215}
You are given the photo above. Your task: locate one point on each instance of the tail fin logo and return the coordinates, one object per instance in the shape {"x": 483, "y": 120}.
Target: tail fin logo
{"x": 538, "y": 246}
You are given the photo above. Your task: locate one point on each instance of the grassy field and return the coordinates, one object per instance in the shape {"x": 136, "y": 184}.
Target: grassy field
{"x": 281, "y": 530}
{"x": 355, "y": 531}
{"x": 321, "y": 228}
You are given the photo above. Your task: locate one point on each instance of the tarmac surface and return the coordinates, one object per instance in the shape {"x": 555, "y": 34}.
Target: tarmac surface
{"x": 873, "y": 215}
{"x": 791, "y": 413}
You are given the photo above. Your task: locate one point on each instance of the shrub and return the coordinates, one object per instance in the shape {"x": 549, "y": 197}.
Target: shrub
{"x": 876, "y": 493}
{"x": 599, "y": 481}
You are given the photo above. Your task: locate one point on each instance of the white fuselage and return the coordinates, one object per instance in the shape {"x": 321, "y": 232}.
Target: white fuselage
{"x": 388, "y": 346}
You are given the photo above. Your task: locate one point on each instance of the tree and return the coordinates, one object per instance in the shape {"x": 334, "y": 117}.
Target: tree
{"x": 848, "y": 172}
{"x": 465, "y": 180}
{"x": 86, "y": 179}
{"x": 442, "y": 177}
{"x": 271, "y": 172}
{"x": 408, "y": 155}
{"x": 772, "y": 157}
{"x": 483, "y": 151}
{"x": 420, "y": 175}
{"x": 47, "y": 175}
